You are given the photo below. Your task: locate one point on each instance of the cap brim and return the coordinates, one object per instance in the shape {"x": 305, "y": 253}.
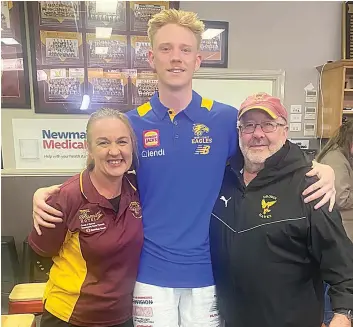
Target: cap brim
{"x": 270, "y": 112}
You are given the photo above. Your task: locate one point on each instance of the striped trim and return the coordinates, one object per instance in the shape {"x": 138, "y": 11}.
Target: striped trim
{"x": 257, "y": 226}
{"x": 133, "y": 187}
{"x": 234, "y": 231}
{"x": 207, "y": 103}
{"x": 81, "y": 184}
{"x": 270, "y": 223}
{"x": 144, "y": 109}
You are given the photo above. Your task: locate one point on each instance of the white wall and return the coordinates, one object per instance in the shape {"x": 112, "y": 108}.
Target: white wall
{"x": 292, "y": 36}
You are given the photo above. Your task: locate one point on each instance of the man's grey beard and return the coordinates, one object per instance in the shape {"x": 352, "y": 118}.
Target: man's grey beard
{"x": 253, "y": 163}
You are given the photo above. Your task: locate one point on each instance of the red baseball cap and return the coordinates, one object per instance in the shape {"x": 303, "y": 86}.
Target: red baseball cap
{"x": 266, "y": 102}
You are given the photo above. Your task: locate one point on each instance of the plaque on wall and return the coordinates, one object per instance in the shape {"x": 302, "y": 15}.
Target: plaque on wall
{"x": 64, "y": 85}
{"x": 103, "y": 52}
{"x": 347, "y": 30}
{"x": 144, "y": 85}
{"x": 142, "y": 11}
{"x": 214, "y": 45}
{"x": 108, "y": 86}
{"x": 140, "y": 46}
{"x": 93, "y": 54}
{"x": 59, "y": 13}
{"x": 60, "y": 48}
{"x": 106, "y": 14}
{"x": 14, "y": 68}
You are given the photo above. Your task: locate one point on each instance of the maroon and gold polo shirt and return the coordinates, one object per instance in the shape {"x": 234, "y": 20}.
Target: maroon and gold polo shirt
{"x": 95, "y": 252}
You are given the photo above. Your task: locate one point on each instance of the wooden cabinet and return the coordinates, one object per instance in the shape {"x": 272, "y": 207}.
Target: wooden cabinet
{"x": 335, "y": 96}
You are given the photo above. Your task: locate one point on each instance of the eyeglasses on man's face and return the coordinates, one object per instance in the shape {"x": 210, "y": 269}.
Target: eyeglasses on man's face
{"x": 266, "y": 126}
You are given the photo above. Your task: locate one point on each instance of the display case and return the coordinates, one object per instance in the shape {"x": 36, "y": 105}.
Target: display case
{"x": 93, "y": 54}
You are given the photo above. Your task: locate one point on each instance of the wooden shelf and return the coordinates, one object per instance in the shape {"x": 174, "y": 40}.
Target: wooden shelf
{"x": 336, "y": 95}
{"x": 332, "y": 65}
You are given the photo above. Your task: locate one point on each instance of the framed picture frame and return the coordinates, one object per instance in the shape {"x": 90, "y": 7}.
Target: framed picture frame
{"x": 214, "y": 44}
{"x": 15, "y": 92}
{"x": 97, "y": 61}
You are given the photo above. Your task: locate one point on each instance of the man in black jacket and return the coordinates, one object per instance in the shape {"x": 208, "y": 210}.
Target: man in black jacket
{"x": 271, "y": 251}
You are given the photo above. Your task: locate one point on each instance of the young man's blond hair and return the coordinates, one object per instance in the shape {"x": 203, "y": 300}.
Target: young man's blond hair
{"x": 186, "y": 19}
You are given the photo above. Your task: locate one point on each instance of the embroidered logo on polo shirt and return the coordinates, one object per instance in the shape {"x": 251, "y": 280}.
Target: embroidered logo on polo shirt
{"x": 135, "y": 209}
{"x": 151, "y": 138}
{"x": 267, "y": 202}
{"x": 201, "y": 139}
{"x": 225, "y": 200}
{"x": 90, "y": 222}
{"x": 85, "y": 216}
{"x": 200, "y": 129}
{"x": 203, "y": 149}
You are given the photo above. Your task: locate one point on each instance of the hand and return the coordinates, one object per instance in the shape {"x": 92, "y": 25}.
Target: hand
{"x": 340, "y": 320}
{"x": 324, "y": 187}
{"x": 43, "y": 212}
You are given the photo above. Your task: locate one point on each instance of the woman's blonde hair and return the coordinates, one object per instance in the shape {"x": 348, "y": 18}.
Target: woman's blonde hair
{"x": 186, "y": 19}
{"x": 112, "y": 114}
{"x": 342, "y": 139}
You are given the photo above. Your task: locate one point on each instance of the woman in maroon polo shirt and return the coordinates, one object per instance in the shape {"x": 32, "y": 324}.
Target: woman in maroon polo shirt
{"x": 96, "y": 248}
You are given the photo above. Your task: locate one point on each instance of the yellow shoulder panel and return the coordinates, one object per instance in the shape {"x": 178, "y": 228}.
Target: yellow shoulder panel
{"x": 207, "y": 103}
{"x": 144, "y": 109}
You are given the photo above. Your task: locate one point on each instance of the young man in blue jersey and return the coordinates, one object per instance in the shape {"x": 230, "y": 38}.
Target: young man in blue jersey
{"x": 184, "y": 142}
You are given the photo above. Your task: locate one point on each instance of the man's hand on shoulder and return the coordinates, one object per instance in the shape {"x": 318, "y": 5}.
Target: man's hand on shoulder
{"x": 324, "y": 187}
{"x": 340, "y": 320}
{"x": 42, "y": 212}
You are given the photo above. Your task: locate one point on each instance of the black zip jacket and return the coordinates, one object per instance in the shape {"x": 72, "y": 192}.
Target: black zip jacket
{"x": 271, "y": 251}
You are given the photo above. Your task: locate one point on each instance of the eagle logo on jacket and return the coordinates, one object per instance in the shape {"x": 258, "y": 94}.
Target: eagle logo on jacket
{"x": 266, "y": 206}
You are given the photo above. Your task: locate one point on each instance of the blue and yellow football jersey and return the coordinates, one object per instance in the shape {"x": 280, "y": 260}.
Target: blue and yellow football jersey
{"x": 182, "y": 158}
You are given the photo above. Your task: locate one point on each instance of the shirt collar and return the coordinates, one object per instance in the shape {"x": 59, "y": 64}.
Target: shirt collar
{"x": 91, "y": 194}
{"x": 197, "y": 109}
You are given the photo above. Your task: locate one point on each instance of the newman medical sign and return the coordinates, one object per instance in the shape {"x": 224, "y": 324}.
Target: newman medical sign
{"x": 50, "y": 143}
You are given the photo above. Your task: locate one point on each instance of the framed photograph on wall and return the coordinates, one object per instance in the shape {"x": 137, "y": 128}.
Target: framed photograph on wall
{"x": 89, "y": 55}
{"x": 14, "y": 63}
{"x": 214, "y": 44}
{"x": 142, "y": 11}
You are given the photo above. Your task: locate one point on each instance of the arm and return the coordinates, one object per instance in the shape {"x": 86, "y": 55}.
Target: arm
{"x": 43, "y": 212}
{"x": 332, "y": 249}
{"x": 324, "y": 187}
{"x": 49, "y": 243}
{"x": 344, "y": 191}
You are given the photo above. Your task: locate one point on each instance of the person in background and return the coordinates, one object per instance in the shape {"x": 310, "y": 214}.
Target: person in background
{"x": 270, "y": 250}
{"x": 338, "y": 153}
{"x": 184, "y": 142}
{"x": 96, "y": 249}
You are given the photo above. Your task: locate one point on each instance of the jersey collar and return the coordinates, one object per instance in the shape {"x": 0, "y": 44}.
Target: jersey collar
{"x": 197, "y": 109}
{"x": 91, "y": 194}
